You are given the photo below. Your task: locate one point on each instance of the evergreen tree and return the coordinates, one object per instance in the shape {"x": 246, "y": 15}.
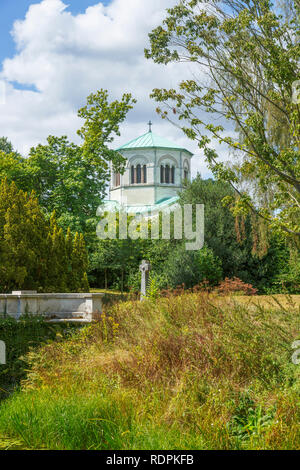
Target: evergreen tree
{"x": 34, "y": 253}
{"x": 6, "y": 145}
{"x": 79, "y": 264}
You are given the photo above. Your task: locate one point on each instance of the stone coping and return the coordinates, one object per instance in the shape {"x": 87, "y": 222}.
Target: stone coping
{"x": 88, "y": 295}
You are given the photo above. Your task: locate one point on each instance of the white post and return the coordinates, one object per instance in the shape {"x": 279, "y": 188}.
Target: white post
{"x": 2, "y": 353}
{"x": 145, "y": 268}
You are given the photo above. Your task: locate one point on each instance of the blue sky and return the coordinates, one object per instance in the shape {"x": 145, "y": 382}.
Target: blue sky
{"x": 57, "y": 57}
{"x": 11, "y": 10}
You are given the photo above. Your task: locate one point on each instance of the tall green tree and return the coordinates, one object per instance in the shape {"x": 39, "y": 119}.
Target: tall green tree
{"x": 65, "y": 181}
{"x": 102, "y": 121}
{"x": 192, "y": 267}
{"x": 23, "y": 238}
{"x": 34, "y": 253}
{"x": 245, "y": 62}
{"x": 5, "y": 145}
{"x": 221, "y": 230}
{"x": 67, "y": 178}
{"x": 79, "y": 263}
{"x": 245, "y": 246}
{"x": 12, "y": 164}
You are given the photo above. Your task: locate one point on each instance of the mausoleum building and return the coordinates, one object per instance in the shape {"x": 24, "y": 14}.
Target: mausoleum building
{"x": 154, "y": 173}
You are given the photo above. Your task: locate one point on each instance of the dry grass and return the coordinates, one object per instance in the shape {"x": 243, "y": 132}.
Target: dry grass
{"x": 193, "y": 371}
{"x": 277, "y": 301}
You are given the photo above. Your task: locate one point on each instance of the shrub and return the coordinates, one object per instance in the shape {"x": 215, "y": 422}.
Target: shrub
{"x": 34, "y": 252}
{"x": 192, "y": 267}
{"x": 289, "y": 280}
{"x": 235, "y": 285}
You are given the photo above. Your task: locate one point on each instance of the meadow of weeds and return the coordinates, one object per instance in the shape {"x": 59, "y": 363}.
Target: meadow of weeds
{"x": 185, "y": 371}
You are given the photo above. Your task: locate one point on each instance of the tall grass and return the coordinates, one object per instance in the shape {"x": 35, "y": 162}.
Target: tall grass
{"x": 184, "y": 372}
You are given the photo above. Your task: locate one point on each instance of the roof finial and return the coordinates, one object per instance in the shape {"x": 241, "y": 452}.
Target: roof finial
{"x": 150, "y": 124}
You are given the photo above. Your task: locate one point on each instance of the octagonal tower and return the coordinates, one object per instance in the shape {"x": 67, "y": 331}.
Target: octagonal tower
{"x": 154, "y": 172}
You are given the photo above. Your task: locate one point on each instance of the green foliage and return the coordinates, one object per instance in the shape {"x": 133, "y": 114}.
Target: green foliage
{"x": 115, "y": 262}
{"x": 210, "y": 266}
{"x": 220, "y": 230}
{"x": 12, "y": 165}
{"x": 34, "y": 253}
{"x": 289, "y": 278}
{"x": 79, "y": 263}
{"x": 19, "y": 337}
{"x": 250, "y": 52}
{"x": 249, "y": 420}
{"x": 155, "y": 284}
{"x": 65, "y": 181}
{"x": 192, "y": 267}
{"x": 6, "y": 146}
{"x": 67, "y": 178}
{"x": 102, "y": 121}
{"x": 246, "y": 249}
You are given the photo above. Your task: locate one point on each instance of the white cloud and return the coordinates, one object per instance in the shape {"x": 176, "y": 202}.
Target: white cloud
{"x": 66, "y": 57}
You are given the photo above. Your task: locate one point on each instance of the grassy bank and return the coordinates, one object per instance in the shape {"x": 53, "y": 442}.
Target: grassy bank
{"x": 19, "y": 337}
{"x": 186, "y": 372}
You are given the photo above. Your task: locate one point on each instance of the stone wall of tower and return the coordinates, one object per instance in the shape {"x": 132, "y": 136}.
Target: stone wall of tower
{"x": 153, "y": 190}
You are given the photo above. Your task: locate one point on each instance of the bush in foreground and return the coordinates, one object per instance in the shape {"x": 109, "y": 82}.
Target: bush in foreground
{"x": 235, "y": 286}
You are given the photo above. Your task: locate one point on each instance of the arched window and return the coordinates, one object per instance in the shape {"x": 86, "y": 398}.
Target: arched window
{"x": 132, "y": 175}
{"x": 186, "y": 174}
{"x": 138, "y": 174}
{"x": 167, "y": 174}
{"x": 173, "y": 174}
{"x": 162, "y": 174}
{"x": 144, "y": 173}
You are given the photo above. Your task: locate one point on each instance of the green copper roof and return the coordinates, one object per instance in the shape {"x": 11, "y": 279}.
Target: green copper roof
{"x": 164, "y": 204}
{"x": 151, "y": 140}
